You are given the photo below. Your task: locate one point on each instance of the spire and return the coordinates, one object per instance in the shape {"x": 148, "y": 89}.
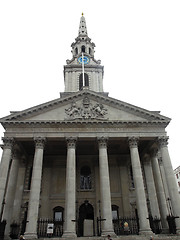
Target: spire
{"x": 82, "y": 26}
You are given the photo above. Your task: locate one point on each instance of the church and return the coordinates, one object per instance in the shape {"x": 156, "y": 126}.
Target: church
{"x": 86, "y": 164}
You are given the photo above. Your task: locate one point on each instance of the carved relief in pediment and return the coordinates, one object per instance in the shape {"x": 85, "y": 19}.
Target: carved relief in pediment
{"x": 86, "y": 110}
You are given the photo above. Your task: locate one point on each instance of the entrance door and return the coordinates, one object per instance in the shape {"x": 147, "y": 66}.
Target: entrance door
{"x": 86, "y": 220}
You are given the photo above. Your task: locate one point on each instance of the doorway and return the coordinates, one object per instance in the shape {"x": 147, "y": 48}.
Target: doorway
{"x": 86, "y": 220}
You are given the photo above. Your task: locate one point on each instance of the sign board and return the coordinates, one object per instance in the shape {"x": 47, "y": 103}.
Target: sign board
{"x": 50, "y": 228}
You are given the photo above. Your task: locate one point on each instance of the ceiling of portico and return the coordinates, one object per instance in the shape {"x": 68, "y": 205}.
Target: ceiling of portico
{"x": 84, "y": 147}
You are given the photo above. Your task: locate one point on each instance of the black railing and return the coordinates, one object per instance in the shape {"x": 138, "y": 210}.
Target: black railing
{"x": 126, "y": 225}
{"x": 14, "y": 230}
{"x": 2, "y": 229}
{"x": 122, "y": 226}
{"x": 49, "y": 228}
{"x": 172, "y": 224}
{"x": 155, "y": 224}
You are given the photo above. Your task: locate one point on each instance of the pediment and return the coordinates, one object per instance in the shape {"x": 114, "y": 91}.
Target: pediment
{"x": 85, "y": 106}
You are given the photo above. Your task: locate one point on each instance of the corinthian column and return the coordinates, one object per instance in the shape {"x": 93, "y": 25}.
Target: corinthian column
{"x": 70, "y": 198}
{"x": 171, "y": 182}
{"x": 151, "y": 186}
{"x": 107, "y": 226}
{"x": 160, "y": 191}
{"x": 10, "y": 192}
{"x": 4, "y": 169}
{"x": 33, "y": 209}
{"x": 139, "y": 187}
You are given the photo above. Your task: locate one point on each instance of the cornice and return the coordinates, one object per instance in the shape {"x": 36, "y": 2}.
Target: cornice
{"x": 89, "y": 123}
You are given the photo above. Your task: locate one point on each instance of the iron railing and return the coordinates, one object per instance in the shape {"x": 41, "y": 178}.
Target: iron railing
{"x": 42, "y": 228}
{"x": 2, "y": 229}
{"x": 122, "y": 226}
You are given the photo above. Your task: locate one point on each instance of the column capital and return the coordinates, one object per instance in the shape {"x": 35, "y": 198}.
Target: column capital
{"x": 71, "y": 142}
{"x": 133, "y": 142}
{"x": 163, "y": 141}
{"x": 40, "y": 142}
{"x": 102, "y": 141}
{"x": 8, "y": 142}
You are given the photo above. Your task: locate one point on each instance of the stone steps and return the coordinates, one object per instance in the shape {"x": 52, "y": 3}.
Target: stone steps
{"x": 124, "y": 237}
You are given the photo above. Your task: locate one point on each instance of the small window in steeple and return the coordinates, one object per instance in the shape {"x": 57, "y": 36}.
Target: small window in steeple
{"x": 86, "y": 81}
{"x": 83, "y": 49}
{"x": 89, "y": 50}
{"x": 76, "y": 51}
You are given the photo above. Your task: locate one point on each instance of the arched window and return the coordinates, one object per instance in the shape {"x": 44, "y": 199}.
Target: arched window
{"x": 58, "y": 213}
{"x": 86, "y": 80}
{"x": 83, "y": 49}
{"x": 89, "y": 50}
{"x": 85, "y": 178}
{"x": 76, "y": 51}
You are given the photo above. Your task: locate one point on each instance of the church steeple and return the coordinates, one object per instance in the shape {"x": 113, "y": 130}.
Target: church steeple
{"x": 82, "y": 27}
{"x": 83, "y": 70}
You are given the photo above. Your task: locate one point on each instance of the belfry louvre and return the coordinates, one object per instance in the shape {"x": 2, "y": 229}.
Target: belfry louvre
{"x": 86, "y": 164}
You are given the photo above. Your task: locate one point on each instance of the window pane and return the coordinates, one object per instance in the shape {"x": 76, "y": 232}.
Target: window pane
{"x": 58, "y": 216}
{"x": 114, "y": 214}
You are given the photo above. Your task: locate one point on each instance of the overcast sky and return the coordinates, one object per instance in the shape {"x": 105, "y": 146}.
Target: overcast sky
{"x": 138, "y": 42}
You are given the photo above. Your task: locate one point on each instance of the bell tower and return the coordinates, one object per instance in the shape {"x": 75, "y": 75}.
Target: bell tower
{"x": 83, "y": 71}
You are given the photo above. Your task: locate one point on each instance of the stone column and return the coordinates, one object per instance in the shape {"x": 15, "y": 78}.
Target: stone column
{"x": 151, "y": 187}
{"x": 33, "y": 209}
{"x": 139, "y": 187}
{"x": 70, "y": 198}
{"x": 106, "y": 210}
{"x": 4, "y": 169}
{"x": 171, "y": 182}
{"x": 160, "y": 191}
{"x": 10, "y": 193}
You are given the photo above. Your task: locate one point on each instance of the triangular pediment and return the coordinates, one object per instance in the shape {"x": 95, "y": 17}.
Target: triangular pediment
{"x": 85, "y": 106}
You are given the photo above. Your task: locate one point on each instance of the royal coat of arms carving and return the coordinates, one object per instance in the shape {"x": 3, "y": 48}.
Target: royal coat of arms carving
{"x": 86, "y": 111}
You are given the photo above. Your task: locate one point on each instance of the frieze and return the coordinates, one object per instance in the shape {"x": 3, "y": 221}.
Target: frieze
{"x": 86, "y": 110}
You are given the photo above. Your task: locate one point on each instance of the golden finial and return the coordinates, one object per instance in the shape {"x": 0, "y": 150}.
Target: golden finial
{"x": 82, "y": 13}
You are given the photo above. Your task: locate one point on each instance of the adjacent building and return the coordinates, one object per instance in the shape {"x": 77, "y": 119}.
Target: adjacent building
{"x": 86, "y": 164}
{"x": 177, "y": 176}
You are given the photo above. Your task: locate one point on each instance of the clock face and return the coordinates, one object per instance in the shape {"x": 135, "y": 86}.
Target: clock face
{"x": 83, "y": 59}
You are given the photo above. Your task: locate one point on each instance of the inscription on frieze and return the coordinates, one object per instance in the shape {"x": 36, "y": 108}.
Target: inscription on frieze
{"x": 86, "y": 110}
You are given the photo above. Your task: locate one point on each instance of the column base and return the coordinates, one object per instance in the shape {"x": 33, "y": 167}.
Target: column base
{"x": 146, "y": 232}
{"x": 165, "y": 230}
{"x": 69, "y": 235}
{"x": 30, "y": 235}
{"x": 108, "y": 232}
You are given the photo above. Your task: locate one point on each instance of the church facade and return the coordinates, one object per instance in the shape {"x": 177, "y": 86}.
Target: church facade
{"x": 86, "y": 164}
